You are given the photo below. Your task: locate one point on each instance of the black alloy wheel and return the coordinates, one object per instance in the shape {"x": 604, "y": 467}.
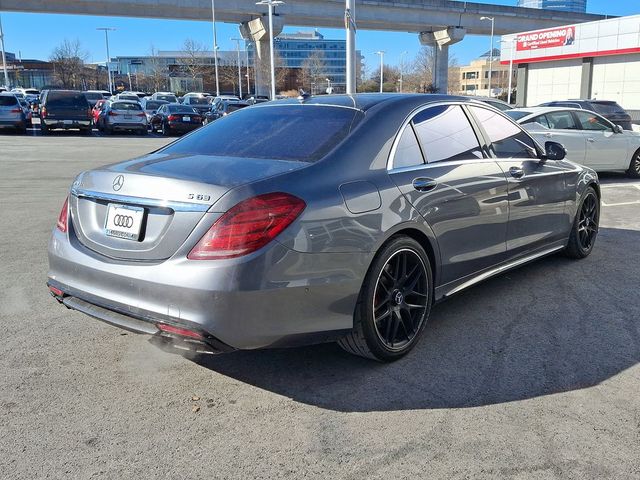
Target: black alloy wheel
{"x": 585, "y": 227}
{"x": 588, "y": 221}
{"x": 399, "y": 301}
{"x": 394, "y": 302}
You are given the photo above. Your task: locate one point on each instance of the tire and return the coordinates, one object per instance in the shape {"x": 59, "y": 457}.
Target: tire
{"x": 43, "y": 128}
{"x": 400, "y": 282}
{"x": 22, "y": 130}
{"x": 634, "y": 166}
{"x": 165, "y": 130}
{"x": 85, "y": 131}
{"x": 585, "y": 226}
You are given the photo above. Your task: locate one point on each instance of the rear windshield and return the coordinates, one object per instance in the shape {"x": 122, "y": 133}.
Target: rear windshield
{"x": 198, "y": 101}
{"x": 128, "y": 97}
{"x": 607, "y": 108}
{"x": 30, "y": 91}
{"x": 66, "y": 99}
{"x": 8, "y": 101}
{"x": 125, "y": 106}
{"x": 284, "y": 132}
{"x": 93, "y": 96}
{"x": 516, "y": 115}
{"x": 151, "y": 105}
{"x": 167, "y": 98}
{"x": 233, "y": 107}
{"x": 181, "y": 109}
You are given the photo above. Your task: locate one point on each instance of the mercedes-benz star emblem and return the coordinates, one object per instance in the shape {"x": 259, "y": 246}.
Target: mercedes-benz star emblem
{"x": 118, "y": 182}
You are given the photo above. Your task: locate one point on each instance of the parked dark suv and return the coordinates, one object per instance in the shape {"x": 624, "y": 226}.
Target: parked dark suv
{"x": 607, "y": 108}
{"x": 65, "y": 109}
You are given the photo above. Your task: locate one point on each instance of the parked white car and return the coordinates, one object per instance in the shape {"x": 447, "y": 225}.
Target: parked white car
{"x": 590, "y": 139}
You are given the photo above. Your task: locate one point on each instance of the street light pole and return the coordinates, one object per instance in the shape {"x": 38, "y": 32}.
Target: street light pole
{"x": 350, "y": 26}
{"x": 513, "y": 47}
{"x": 106, "y": 40}
{"x": 401, "y": 68}
{"x": 237, "y": 40}
{"x": 215, "y": 46}
{"x": 271, "y": 4}
{"x": 4, "y": 59}
{"x": 248, "y": 78}
{"x": 381, "y": 53}
{"x": 492, "y": 19}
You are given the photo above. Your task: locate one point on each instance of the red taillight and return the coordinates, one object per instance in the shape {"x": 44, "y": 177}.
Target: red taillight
{"x": 248, "y": 226}
{"x": 56, "y": 291}
{"x": 113, "y": 114}
{"x": 16, "y": 110}
{"x": 179, "y": 331}
{"x": 43, "y": 112}
{"x": 141, "y": 115}
{"x": 172, "y": 118}
{"x": 89, "y": 113}
{"x": 64, "y": 215}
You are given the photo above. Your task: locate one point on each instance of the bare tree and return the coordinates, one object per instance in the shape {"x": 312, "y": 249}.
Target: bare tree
{"x": 191, "y": 61}
{"x": 68, "y": 63}
{"x": 158, "y": 72}
{"x": 314, "y": 72}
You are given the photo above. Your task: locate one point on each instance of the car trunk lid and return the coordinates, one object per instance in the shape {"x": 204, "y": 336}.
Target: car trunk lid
{"x": 173, "y": 192}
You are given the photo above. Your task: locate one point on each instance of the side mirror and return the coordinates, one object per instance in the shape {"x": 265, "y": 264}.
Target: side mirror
{"x": 554, "y": 151}
{"x": 618, "y": 129}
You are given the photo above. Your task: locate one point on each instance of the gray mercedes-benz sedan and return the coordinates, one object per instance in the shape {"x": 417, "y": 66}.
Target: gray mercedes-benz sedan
{"x": 333, "y": 218}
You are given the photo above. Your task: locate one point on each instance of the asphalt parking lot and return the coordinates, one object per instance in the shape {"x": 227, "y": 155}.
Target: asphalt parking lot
{"x": 531, "y": 375}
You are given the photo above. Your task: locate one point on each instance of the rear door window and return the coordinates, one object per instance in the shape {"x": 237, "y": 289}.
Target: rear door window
{"x": 444, "y": 132}
{"x": 541, "y": 119}
{"x": 561, "y": 120}
{"x": 507, "y": 139}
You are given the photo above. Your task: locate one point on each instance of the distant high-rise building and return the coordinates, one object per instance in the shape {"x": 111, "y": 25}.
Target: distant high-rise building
{"x": 564, "y": 5}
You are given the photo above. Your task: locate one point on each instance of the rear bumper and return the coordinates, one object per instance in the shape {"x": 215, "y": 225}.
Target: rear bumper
{"x": 127, "y": 126}
{"x": 65, "y": 123}
{"x": 183, "y": 127}
{"x": 17, "y": 123}
{"x": 274, "y": 297}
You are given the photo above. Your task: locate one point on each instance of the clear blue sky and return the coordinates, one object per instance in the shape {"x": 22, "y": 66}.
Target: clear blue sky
{"x": 35, "y": 35}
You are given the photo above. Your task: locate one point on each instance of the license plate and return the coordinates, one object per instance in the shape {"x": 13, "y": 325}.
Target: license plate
{"x": 123, "y": 221}
{"x": 68, "y": 122}
{"x": 186, "y": 119}
{"x": 127, "y": 117}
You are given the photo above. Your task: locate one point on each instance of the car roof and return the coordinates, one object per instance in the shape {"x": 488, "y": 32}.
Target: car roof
{"x": 366, "y": 101}
{"x": 539, "y": 110}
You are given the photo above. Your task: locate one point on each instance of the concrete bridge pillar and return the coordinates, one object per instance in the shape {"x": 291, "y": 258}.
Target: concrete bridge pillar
{"x": 257, "y": 31}
{"x": 440, "y": 41}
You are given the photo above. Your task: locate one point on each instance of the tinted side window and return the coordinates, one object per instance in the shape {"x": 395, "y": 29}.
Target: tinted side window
{"x": 446, "y": 134}
{"x": 561, "y": 121}
{"x": 408, "y": 151}
{"x": 591, "y": 121}
{"x": 508, "y": 139}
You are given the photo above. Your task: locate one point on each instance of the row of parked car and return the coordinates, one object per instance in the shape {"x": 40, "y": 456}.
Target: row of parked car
{"x": 596, "y": 133}
{"x": 127, "y": 111}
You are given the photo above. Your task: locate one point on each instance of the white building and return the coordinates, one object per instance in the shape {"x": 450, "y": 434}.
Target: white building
{"x": 589, "y": 60}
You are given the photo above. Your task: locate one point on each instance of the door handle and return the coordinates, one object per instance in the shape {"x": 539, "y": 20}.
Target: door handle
{"x": 424, "y": 184}
{"x": 591, "y": 139}
{"x": 516, "y": 172}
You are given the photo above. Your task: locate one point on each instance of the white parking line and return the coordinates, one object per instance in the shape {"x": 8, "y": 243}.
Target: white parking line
{"x": 620, "y": 204}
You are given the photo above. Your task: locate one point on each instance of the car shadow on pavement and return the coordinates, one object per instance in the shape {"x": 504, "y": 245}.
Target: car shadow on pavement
{"x": 551, "y": 326}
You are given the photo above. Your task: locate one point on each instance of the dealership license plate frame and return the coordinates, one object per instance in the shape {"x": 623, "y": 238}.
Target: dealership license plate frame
{"x": 123, "y": 231}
